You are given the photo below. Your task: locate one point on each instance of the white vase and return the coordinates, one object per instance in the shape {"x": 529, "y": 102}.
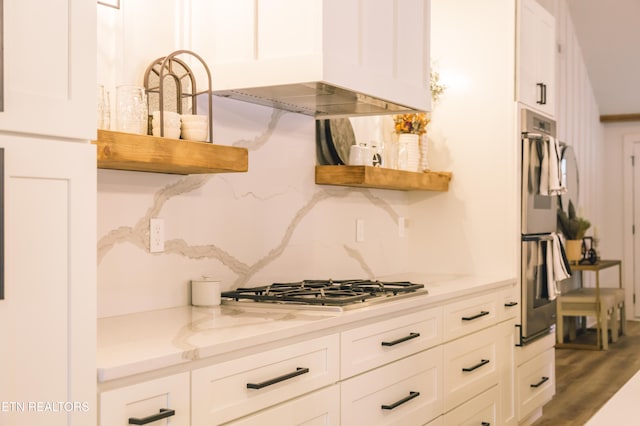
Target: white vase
{"x": 424, "y": 151}
{"x": 409, "y": 152}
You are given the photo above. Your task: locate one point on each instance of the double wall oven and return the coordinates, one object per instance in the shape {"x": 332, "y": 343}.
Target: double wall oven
{"x": 539, "y": 221}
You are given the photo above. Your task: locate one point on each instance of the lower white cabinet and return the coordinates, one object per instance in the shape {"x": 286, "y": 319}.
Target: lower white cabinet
{"x": 479, "y": 411}
{"x": 319, "y": 408}
{"x": 163, "y": 401}
{"x": 405, "y": 392}
{"x": 535, "y": 382}
{"x": 470, "y": 366}
{"x": 226, "y": 391}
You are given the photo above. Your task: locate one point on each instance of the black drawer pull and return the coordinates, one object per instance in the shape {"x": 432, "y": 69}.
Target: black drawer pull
{"x": 478, "y": 365}
{"x": 485, "y": 424}
{"x": 540, "y": 383}
{"x": 540, "y": 100}
{"x": 299, "y": 371}
{"x": 481, "y": 314}
{"x": 402, "y": 401}
{"x": 404, "y": 339}
{"x": 163, "y": 414}
{"x": 510, "y": 304}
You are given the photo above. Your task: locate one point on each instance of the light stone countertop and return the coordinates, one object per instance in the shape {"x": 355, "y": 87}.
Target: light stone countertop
{"x": 146, "y": 341}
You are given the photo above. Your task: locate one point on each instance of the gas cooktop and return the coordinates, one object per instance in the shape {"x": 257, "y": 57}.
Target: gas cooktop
{"x": 329, "y": 294}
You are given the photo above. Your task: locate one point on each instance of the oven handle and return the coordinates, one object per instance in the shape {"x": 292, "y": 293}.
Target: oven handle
{"x": 299, "y": 371}
{"x": 545, "y": 237}
{"x": 403, "y": 339}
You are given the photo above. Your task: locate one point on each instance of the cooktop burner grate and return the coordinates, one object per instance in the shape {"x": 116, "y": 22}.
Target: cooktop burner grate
{"x": 324, "y": 292}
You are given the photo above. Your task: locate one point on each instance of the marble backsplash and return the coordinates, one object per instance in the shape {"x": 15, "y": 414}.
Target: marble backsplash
{"x": 270, "y": 224}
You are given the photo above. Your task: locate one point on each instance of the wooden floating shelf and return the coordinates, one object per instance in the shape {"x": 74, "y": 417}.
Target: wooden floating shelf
{"x": 127, "y": 151}
{"x": 381, "y": 178}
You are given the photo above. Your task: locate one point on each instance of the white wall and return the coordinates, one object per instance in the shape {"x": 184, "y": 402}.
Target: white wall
{"x": 474, "y": 227}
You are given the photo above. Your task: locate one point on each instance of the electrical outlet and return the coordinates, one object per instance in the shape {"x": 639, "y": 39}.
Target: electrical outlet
{"x": 156, "y": 235}
{"x": 359, "y": 230}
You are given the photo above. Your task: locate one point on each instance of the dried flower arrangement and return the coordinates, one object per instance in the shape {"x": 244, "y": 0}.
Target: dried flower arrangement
{"x": 411, "y": 123}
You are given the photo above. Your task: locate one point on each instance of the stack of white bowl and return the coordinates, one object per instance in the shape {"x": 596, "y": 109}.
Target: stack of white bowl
{"x": 195, "y": 127}
{"x": 171, "y": 124}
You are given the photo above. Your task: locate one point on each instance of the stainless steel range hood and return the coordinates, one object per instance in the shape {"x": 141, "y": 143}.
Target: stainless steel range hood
{"x": 317, "y": 99}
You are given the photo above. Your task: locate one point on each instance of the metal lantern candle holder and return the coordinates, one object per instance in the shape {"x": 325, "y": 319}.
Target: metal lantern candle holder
{"x": 176, "y": 70}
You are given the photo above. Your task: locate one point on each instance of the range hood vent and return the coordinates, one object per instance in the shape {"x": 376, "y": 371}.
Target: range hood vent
{"x": 317, "y": 99}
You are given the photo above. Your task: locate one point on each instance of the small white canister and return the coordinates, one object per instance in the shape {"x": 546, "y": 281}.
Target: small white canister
{"x": 205, "y": 292}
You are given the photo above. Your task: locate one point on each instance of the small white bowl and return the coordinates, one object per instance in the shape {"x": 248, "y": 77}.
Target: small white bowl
{"x": 195, "y": 135}
{"x": 168, "y": 115}
{"x": 195, "y": 126}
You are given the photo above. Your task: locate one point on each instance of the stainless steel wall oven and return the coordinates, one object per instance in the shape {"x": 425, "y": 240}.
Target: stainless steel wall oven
{"x": 538, "y": 222}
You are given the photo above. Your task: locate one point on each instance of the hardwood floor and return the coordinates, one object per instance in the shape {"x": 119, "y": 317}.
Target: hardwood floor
{"x": 586, "y": 379}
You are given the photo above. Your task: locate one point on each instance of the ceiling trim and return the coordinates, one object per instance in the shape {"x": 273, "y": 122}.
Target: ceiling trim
{"x": 619, "y": 117}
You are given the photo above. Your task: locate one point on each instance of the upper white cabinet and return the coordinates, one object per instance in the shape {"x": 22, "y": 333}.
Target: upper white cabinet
{"x": 536, "y": 53}
{"x": 50, "y": 68}
{"x": 298, "y": 55}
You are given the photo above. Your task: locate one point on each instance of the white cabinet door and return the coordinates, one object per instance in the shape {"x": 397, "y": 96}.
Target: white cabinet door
{"x": 47, "y": 317}
{"x": 159, "y": 402}
{"x": 405, "y": 392}
{"x": 232, "y": 389}
{"x": 470, "y": 366}
{"x": 536, "y": 57}
{"x": 535, "y": 383}
{"x": 372, "y": 345}
{"x": 50, "y": 68}
{"x": 481, "y": 410}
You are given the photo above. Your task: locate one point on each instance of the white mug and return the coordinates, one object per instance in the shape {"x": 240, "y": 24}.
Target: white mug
{"x": 205, "y": 292}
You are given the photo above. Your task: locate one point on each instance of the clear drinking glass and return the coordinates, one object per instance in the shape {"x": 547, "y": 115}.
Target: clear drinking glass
{"x": 131, "y": 109}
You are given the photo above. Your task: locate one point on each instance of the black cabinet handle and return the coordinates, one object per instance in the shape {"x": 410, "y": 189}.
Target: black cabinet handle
{"x": 163, "y": 414}
{"x": 299, "y": 371}
{"x": 510, "y": 304}
{"x": 485, "y": 424}
{"x": 544, "y": 100}
{"x": 536, "y": 385}
{"x": 402, "y": 401}
{"x": 541, "y": 98}
{"x": 481, "y": 314}
{"x": 403, "y": 339}
{"x": 478, "y": 365}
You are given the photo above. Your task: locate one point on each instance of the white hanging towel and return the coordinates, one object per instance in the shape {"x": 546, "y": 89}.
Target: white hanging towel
{"x": 557, "y": 265}
{"x": 551, "y": 182}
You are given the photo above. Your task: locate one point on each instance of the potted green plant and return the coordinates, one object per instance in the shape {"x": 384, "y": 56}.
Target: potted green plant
{"x": 573, "y": 228}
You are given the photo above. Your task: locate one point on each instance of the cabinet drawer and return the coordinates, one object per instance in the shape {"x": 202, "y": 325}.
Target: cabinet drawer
{"x": 410, "y": 391}
{"x": 481, "y": 410}
{"x": 470, "y": 366}
{"x": 228, "y": 390}
{"x": 535, "y": 383}
{"x": 470, "y": 315}
{"x": 508, "y": 304}
{"x": 147, "y": 399}
{"x": 370, "y": 346}
{"x": 321, "y": 407}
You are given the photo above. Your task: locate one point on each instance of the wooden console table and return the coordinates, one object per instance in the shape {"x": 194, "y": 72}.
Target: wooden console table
{"x": 592, "y": 301}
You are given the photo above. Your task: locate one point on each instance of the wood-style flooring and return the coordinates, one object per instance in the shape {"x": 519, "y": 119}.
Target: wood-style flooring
{"x": 586, "y": 379}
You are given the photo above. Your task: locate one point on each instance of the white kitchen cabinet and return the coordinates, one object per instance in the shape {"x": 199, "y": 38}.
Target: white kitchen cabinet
{"x": 50, "y": 68}
{"x": 47, "y": 317}
{"x": 165, "y": 399}
{"x": 319, "y": 408}
{"x": 229, "y": 390}
{"x": 536, "y": 54}
{"x": 481, "y": 410}
{"x": 535, "y": 383}
{"x": 470, "y": 366}
{"x": 380, "y": 49}
{"x": 405, "y": 392}
{"x": 372, "y": 345}
{"x": 470, "y": 315}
